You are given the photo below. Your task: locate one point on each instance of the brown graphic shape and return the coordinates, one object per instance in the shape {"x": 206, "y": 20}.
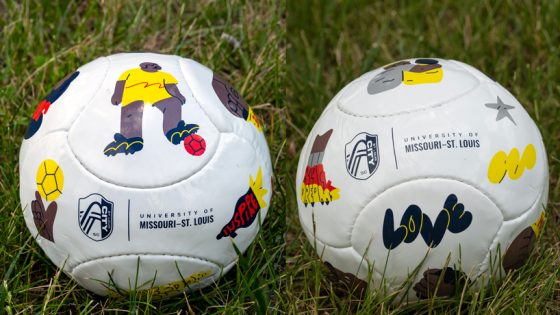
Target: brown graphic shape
{"x": 230, "y": 98}
{"x": 320, "y": 142}
{"x": 424, "y": 68}
{"x": 44, "y": 220}
{"x": 519, "y": 250}
{"x": 350, "y": 283}
{"x": 395, "y": 64}
{"x": 451, "y": 281}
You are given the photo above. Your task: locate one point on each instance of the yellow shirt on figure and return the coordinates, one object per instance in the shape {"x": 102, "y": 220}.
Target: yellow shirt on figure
{"x": 145, "y": 86}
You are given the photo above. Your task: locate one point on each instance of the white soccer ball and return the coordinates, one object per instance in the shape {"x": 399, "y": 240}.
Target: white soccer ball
{"x": 142, "y": 171}
{"x": 424, "y": 172}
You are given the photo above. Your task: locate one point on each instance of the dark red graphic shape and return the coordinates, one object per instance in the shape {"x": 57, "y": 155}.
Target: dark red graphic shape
{"x": 43, "y": 107}
{"x": 316, "y": 175}
{"x": 44, "y": 219}
{"x": 245, "y": 212}
{"x": 320, "y": 142}
{"x": 195, "y": 144}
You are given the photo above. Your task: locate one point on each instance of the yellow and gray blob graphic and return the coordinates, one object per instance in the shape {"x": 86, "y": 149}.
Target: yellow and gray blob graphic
{"x": 422, "y": 71}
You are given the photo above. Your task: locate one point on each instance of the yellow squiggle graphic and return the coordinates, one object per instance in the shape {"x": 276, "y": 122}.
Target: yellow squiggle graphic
{"x": 511, "y": 164}
{"x": 170, "y": 288}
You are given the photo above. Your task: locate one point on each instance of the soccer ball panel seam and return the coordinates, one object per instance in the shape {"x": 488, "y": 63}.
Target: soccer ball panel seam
{"x": 81, "y": 263}
{"x": 437, "y": 105}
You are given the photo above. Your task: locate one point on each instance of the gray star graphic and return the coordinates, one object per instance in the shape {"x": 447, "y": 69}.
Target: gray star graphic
{"x": 502, "y": 110}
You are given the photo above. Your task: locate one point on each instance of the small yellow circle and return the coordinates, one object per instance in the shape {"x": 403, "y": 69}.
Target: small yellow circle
{"x": 50, "y": 180}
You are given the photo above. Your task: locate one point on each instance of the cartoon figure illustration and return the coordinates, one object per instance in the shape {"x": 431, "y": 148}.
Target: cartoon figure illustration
{"x": 141, "y": 86}
{"x": 233, "y": 102}
{"x": 421, "y": 72}
{"x": 511, "y": 164}
{"x": 50, "y": 182}
{"x": 246, "y": 208}
{"x": 37, "y": 118}
{"x": 316, "y": 187}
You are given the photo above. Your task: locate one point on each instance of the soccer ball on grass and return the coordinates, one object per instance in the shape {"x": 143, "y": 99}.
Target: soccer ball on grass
{"x": 423, "y": 172}
{"x": 144, "y": 172}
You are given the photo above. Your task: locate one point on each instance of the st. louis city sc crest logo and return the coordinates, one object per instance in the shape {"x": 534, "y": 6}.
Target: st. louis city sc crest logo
{"x": 95, "y": 216}
{"x": 362, "y": 155}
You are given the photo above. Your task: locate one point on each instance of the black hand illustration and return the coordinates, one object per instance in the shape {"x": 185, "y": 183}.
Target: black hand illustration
{"x": 44, "y": 220}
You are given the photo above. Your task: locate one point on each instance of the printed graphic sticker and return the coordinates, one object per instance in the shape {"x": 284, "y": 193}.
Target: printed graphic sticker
{"x": 362, "y": 155}
{"x": 95, "y": 216}
{"x": 520, "y": 249}
{"x": 423, "y": 71}
{"x": 511, "y": 164}
{"x": 246, "y": 208}
{"x": 233, "y": 102}
{"x": 138, "y": 87}
{"x": 453, "y": 217}
{"x": 43, "y": 108}
{"x": 440, "y": 282}
{"x": 50, "y": 182}
{"x": 316, "y": 187}
{"x": 503, "y": 110}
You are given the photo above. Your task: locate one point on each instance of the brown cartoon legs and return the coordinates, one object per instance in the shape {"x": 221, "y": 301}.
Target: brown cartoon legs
{"x": 171, "y": 109}
{"x": 173, "y": 127}
{"x": 129, "y": 140}
{"x": 131, "y": 119}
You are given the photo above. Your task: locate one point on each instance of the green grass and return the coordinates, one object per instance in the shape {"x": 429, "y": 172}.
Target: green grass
{"x": 515, "y": 42}
{"x": 41, "y": 41}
